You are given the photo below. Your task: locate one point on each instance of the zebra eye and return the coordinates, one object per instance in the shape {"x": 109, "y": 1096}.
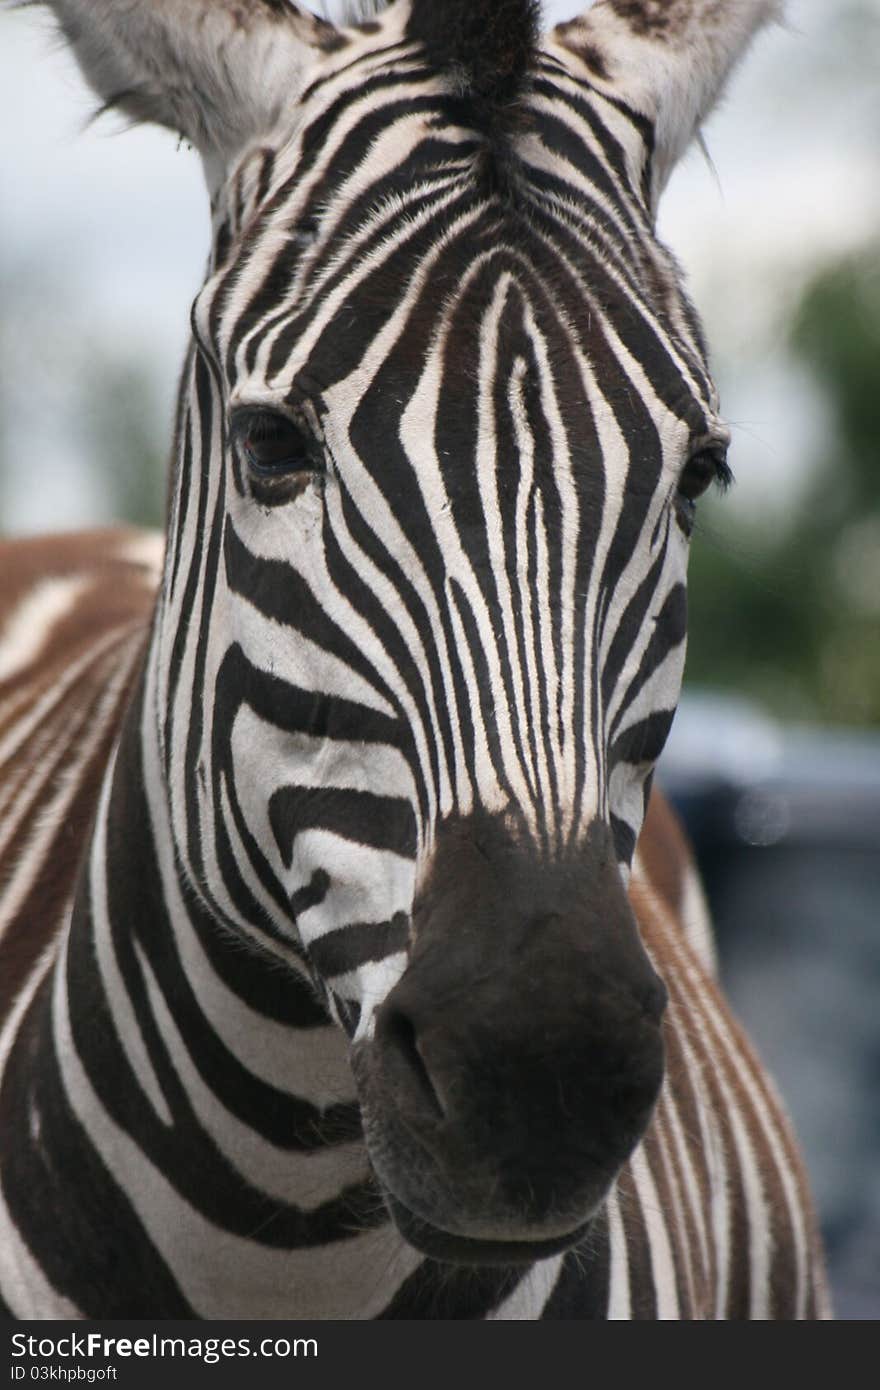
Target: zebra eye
{"x": 272, "y": 446}
{"x": 708, "y": 465}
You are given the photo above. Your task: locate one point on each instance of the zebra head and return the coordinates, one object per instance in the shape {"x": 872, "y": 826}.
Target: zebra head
{"x": 420, "y": 640}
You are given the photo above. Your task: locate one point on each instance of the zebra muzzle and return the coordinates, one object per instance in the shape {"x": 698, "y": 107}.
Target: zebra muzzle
{"x": 516, "y": 1064}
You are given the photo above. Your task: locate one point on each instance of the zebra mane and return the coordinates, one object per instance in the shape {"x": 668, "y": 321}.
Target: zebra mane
{"x": 485, "y": 46}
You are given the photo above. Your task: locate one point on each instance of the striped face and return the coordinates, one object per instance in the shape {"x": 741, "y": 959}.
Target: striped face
{"x": 440, "y": 440}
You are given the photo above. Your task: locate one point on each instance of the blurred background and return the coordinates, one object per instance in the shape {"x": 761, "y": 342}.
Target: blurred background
{"x": 774, "y": 758}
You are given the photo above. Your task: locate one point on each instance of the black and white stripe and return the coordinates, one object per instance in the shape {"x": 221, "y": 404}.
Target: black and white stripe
{"x": 458, "y": 618}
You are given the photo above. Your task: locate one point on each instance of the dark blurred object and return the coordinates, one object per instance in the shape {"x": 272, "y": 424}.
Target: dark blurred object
{"x": 786, "y": 826}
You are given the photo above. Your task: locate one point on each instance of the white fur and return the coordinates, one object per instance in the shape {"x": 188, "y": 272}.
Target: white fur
{"x": 217, "y": 74}
{"x": 674, "y": 76}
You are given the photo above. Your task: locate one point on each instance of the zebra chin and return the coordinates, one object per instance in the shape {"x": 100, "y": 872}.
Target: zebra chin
{"x": 505, "y": 1248}
{"x": 516, "y": 1064}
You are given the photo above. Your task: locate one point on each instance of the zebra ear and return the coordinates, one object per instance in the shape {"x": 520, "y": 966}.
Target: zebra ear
{"x": 215, "y": 72}
{"x": 668, "y": 60}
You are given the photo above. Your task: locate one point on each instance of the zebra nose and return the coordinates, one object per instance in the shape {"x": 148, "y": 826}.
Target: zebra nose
{"x": 396, "y": 1033}
{"x": 520, "y": 1053}
{"x": 504, "y": 1104}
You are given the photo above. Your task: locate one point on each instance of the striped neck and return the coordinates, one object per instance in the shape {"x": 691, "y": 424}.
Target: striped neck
{"x": 212, "y": 1086}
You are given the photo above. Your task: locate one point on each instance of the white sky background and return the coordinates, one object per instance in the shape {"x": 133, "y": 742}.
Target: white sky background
{"x": 111, "y": 229}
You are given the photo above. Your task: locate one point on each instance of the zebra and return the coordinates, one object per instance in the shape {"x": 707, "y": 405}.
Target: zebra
{"x": 351, "y": 968}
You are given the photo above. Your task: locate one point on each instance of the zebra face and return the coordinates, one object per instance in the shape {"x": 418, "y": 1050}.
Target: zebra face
{"x": 441, "y": 438}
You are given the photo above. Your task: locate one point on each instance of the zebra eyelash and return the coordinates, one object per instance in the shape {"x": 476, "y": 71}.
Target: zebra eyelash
{"x": 706, "y": 466}
{"x": 724, "y": 475}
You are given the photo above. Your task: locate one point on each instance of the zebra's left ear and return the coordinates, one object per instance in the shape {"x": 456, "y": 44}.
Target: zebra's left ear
{"x": 214, "y": 71}
{"x": 668, "y": 60}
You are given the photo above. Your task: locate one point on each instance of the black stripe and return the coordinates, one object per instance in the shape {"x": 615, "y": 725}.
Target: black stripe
{"x": 79, "y": 1226}
{"x": 571, "y": 149}
{"x": 345, "y": 949}
{"x": 450, "y": 1291}
{"x": 279, "y": 592}
{"x": 670, "y": 630}
{"x": 284, "y": 1119}
{"x": 340, "y": 254}
{"x": 582, "y": 1289}
{"x": 201, "y": 382}
{"x": 420, "y": 683}
{"x": 642, "y": 742}
{"x": 381, "y": 822}
{"x": 628, "y": 629}
{"x": 643, "y": 1295}
{"x": 624, "y": 839}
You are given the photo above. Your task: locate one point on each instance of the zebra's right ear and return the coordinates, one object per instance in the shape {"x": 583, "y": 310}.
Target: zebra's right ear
{"x": 668, "y": 61}
{"x": 214, "y": 72}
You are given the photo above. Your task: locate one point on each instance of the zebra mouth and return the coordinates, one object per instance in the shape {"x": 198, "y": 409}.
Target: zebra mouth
{"x": 468, "y": 1250}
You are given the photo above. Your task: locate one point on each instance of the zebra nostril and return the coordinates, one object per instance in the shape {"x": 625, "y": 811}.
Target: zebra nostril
{"x": 397, "y": 1033}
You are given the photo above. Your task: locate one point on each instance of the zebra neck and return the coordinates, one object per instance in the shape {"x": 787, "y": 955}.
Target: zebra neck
{"x": 195, "y": 1101}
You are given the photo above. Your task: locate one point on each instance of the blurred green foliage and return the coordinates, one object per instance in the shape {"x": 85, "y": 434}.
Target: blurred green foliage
{"x": 795, "y": 622}
{"x": 125, "y": 441}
